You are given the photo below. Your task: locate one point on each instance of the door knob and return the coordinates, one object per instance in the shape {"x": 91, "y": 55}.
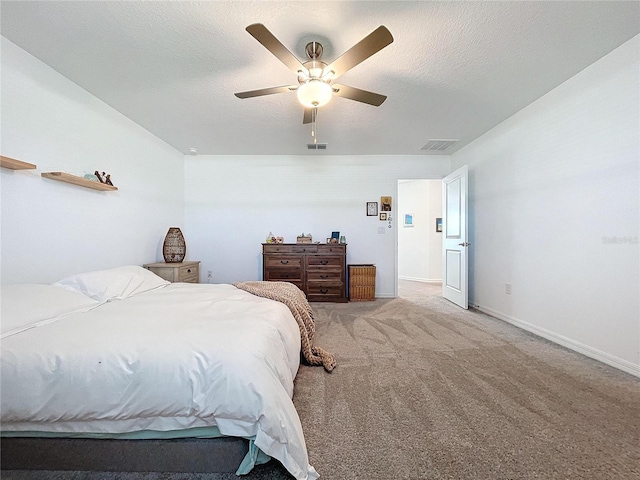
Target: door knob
{"x": 465, "y": 244}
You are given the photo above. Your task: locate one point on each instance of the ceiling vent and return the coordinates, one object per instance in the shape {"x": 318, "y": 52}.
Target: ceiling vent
{"x": 438, "y": 145}
{"x": 317, "y": 146}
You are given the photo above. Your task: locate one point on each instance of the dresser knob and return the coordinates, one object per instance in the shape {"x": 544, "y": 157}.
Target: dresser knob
{"x": 324, "y": 290}
{"x": 188, "y": 270}
{"x": 284, "y": 261}
{"x": 324, "y": 262}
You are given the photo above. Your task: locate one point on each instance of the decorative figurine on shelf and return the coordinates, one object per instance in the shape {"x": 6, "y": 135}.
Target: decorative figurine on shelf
{"x": 103, "y": 177}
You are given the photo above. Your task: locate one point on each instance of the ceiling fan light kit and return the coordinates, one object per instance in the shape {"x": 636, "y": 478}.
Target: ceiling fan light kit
{"x": 315, "y": 77}
{"x": 314, "y": 93}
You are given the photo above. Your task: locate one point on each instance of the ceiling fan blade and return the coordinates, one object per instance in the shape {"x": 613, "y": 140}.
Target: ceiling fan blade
{"x": 266, "y": 91}
{"x": 271, "y": 43}
{"x": 309, "y": 113}
{"x": 372, "y": 43}
{"x": 358, "y": 95}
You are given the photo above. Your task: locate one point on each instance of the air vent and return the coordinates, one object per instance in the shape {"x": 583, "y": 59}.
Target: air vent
{"x": 317, "y": 146}
{"x": 438, "y": 145}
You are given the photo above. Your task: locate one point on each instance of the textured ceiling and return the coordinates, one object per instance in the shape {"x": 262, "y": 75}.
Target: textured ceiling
{"x": 454, "y": 70}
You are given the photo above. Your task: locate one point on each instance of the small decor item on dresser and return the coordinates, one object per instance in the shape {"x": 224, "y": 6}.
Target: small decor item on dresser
{"x": 174, "y": 248}
{"x": 304, "y": 238}
{"x": 270, "y": 238}
{"x": 279, "y": 239}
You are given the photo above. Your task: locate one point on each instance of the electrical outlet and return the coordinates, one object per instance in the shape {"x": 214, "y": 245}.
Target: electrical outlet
{"x": 381, "y": 230}
{"x": 507, "y": 288}
{"x": 209, "y": 273}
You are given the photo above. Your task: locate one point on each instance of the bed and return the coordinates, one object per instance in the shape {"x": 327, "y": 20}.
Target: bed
{"x": 122, "y": 353}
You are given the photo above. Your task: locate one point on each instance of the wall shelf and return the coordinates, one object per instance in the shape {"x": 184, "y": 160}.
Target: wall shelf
{"x": 80, "y": 181}
{"x": 13, "y": 164}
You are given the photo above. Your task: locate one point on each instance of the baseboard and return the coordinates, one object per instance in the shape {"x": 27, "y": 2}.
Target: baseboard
{"x": 590, "y": 352}
{"x": 423, "y": 280}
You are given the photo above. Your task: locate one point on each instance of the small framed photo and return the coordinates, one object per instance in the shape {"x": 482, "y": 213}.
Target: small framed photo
{"x": 372, "y": 209}
{"x": 335, "y": 235}
{"x": 383, "y": 216}
{"x": 438, "y": 224}
{"x": 408, "y": 220}
{"x": 386, "y": 204}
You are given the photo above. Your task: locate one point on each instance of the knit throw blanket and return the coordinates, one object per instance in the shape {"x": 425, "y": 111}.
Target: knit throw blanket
{"x": 294, "y": 298}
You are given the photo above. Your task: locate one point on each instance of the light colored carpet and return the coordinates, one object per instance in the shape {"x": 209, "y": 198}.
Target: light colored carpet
{"x": 425, "y": 390}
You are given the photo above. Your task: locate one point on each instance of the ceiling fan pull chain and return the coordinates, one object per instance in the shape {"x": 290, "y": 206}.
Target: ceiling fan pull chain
{"x": 314, "y": 125}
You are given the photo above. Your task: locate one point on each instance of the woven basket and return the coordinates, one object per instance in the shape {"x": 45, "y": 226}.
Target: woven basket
{"x": 174, "y": 248}
{"x": 362, "y": 283}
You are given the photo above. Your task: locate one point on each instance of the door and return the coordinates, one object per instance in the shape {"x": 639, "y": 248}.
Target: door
{"x": 454, "y": 240}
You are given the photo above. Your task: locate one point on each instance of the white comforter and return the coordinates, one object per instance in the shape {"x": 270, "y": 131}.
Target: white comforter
{"x": 177, "y": 357}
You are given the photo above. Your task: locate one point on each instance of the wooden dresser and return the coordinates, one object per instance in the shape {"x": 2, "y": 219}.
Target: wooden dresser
{"x": 318, "y": 270}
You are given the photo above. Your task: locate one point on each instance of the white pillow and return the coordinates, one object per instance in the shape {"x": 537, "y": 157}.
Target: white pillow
{"x": 112, "y": 284}
{"x": 27, "y": 305}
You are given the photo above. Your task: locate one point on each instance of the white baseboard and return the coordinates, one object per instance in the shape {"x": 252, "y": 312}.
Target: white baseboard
{"x": 423, "y": 280}
{"x": 590, "y": 352}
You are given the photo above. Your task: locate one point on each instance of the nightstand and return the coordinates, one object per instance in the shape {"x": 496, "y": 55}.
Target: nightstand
{"x": 187, "y": 272}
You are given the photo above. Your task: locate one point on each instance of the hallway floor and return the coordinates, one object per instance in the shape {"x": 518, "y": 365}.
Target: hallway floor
{"x": 414, "y": 291}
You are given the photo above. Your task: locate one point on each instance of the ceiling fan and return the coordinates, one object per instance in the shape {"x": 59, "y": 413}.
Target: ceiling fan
{"x": 315, "y": 78}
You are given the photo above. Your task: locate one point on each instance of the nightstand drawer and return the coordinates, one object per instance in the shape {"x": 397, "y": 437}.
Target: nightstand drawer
{"x": 189, "y": 274}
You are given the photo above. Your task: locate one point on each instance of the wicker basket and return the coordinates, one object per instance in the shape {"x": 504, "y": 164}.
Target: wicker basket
{"x": 362, "y": 283}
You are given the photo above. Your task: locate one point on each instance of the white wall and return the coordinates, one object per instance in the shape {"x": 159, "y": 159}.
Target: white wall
{"x": 233, "y": 202}
{"x": 554, "y": 210}
{"x": 420, "y": 246}
{"x": 51, "y": 229}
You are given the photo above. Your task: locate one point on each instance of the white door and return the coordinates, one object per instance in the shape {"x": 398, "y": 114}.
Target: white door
{"x": 454, "y": 241}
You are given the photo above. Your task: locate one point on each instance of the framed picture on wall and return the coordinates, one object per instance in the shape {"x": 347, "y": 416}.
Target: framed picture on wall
{"x": 408, "y": 220}
{"x": 383, "y": 216}
{"x": 386, "y": 204}
{"x": 372, "y": 209}
{"x": 438, "y": 224}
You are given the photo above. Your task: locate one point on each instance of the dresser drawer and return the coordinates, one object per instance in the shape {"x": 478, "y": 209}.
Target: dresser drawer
{"x": 283, "y": 275}
{"x": 324, "y": 275}
{"x": 283, "y": 248}
{"x": 335, "y": 249}
{"x": 319, "y": 293}
{"x": 325, "y": 261}
{"x": 282, "y": 261}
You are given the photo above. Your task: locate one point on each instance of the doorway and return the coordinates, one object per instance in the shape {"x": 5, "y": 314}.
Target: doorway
{"x": 419, "y": 241}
